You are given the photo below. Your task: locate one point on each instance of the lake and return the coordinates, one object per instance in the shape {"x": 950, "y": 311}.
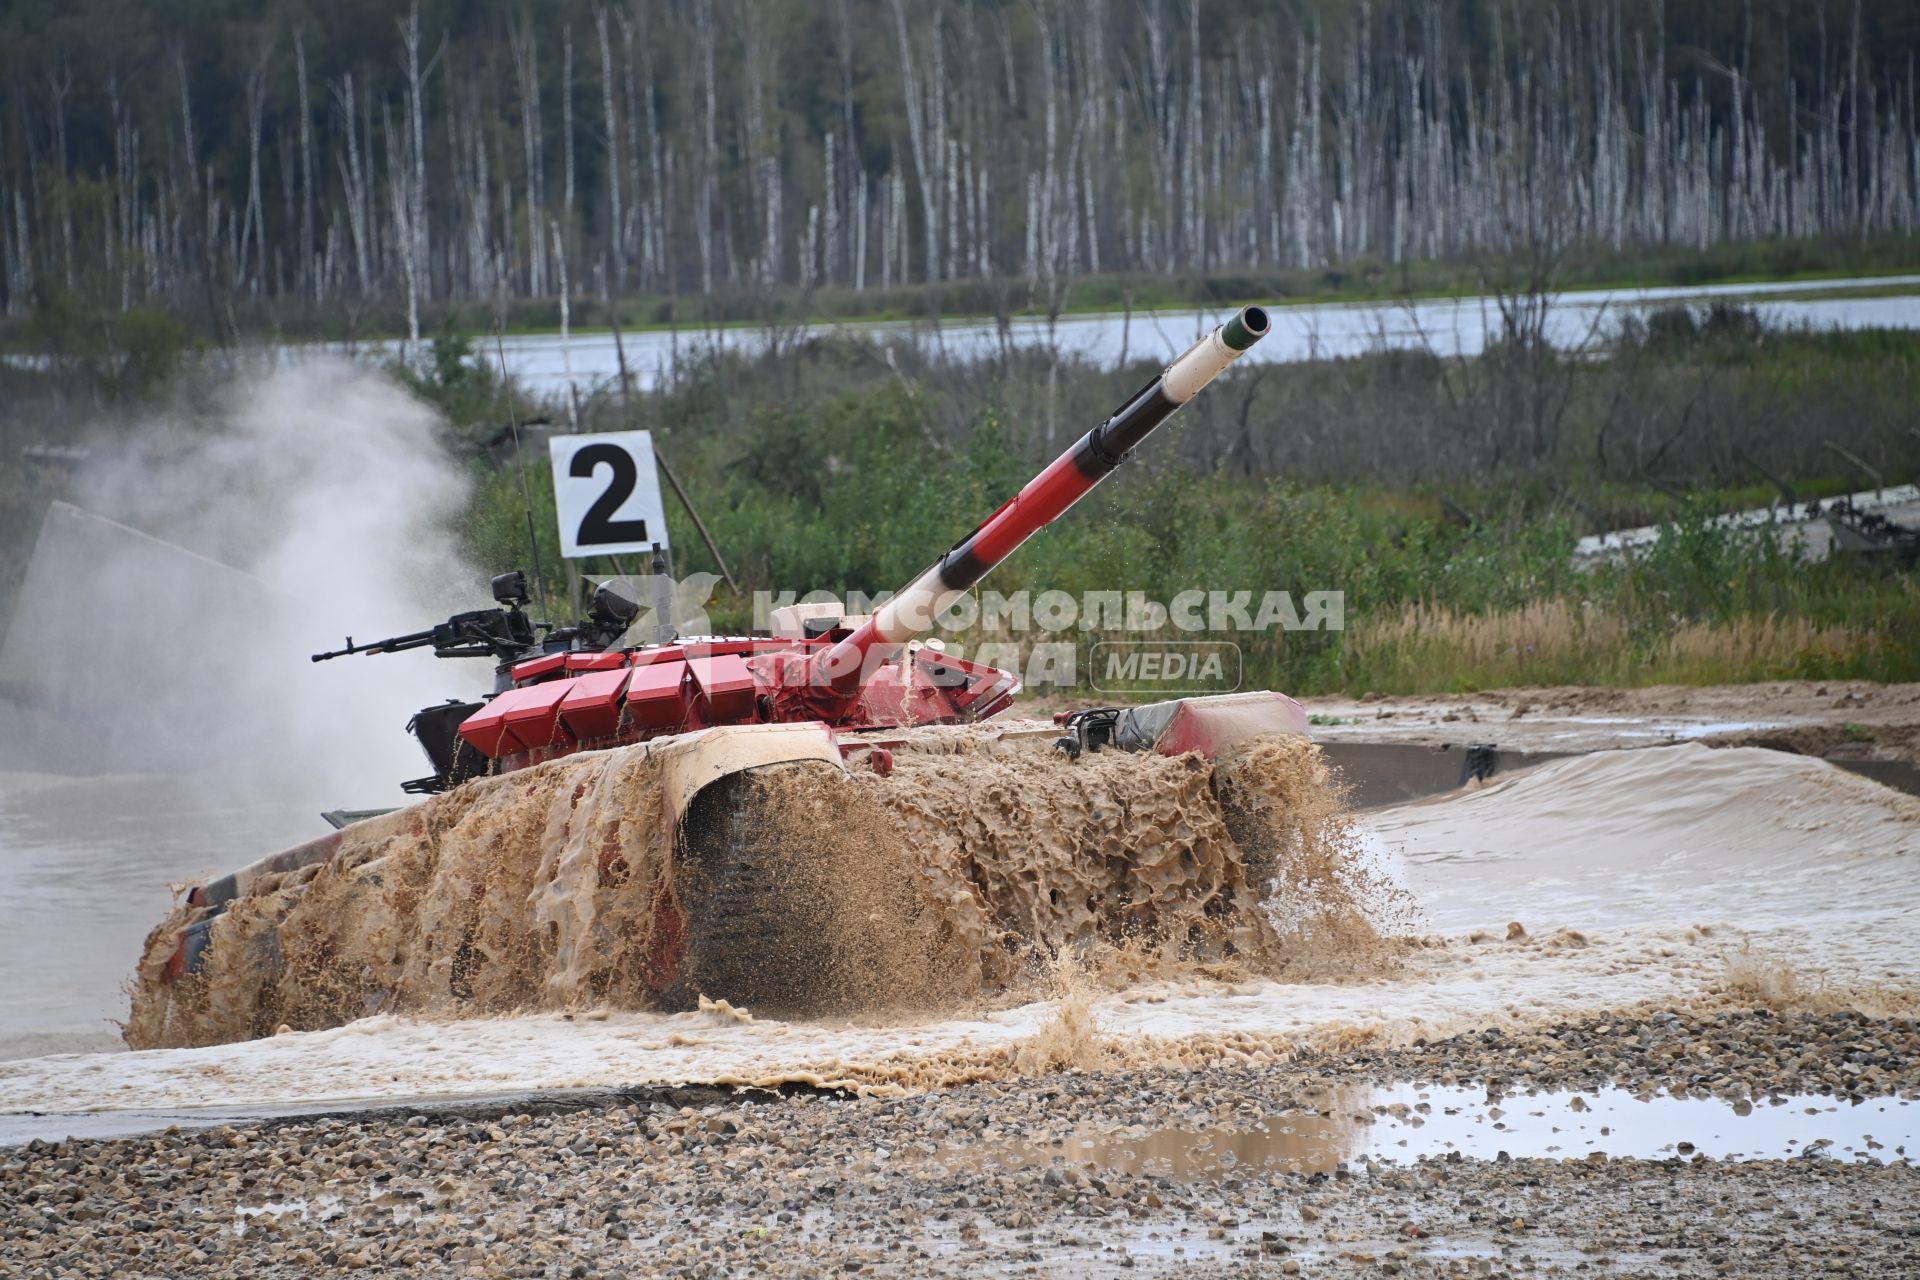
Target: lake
{"x": 1308, "y": 331}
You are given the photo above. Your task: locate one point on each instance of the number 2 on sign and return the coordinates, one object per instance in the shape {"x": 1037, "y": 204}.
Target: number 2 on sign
{"x": 598, "y": 526}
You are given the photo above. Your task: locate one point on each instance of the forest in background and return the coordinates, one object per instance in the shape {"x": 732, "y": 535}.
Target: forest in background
{"x": 274, "y": 166}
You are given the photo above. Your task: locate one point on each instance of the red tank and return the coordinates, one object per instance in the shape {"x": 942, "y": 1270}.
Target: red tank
{"x": 733, "y": 729}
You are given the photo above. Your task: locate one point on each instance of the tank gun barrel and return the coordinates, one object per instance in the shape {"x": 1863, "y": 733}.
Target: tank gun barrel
{"x": 1095, "y": 456}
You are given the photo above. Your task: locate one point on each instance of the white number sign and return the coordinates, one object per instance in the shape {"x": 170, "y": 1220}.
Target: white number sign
{"x": 608, "y": 494}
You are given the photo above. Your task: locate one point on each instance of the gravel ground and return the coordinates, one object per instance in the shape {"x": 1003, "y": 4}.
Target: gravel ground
{"x": 814, "y": 1184}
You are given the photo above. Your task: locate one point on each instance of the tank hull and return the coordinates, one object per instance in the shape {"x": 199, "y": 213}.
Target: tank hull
{"x": 793, "y": 869}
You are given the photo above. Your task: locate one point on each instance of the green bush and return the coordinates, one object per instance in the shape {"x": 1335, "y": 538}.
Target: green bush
{"x": 149, "y": 348}
{"x": 455, "y": 379}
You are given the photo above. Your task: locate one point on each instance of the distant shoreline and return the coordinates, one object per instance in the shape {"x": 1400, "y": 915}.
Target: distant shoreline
{"x": 1851, "y": 269}
{"x": 1811, "y": 287}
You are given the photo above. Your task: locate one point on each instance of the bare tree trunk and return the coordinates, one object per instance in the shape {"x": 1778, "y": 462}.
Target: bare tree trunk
{"x": 1854, "y": 130}
{"x": 125, "y": 187}
{"x": 509, "y": 241}
{"x": 461, "y": 262}
{"x": 59, "y": 84}
{"x": 526, "y": 64}
{"x": 406, "y": 243}
{"x": 375, "y": 255}
{"x": 252, "y": 225}
{"x": 759, "y": 179}
{"x": 566, "y": 325}
{"x": 353, "y": 174}
{"x": 830, "y": 192}
{"x": 418, "y": 258}
{"x": 615, "y": 225}
{"x": 860, "y": 217}
{"x": 856, "y": 177}
{"x": 917, "y": 137}
{"x": 23, "y": 247}
{"x": 566, "y": 119}
{"x": 1192, "y": 234}
{"x": 937, "y": 150}
{"x": 216, "y": 318}
{"x": 661, "y": 175}
{"x": 305, "y": 275}
{"x": 704, "y": 211}
{"x": 486, "y": 265}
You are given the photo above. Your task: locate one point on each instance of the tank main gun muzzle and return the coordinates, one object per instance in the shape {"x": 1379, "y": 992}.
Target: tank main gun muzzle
{"x": 1044, "y": 499}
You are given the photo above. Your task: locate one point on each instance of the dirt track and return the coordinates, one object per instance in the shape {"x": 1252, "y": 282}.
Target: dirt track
{"x": 1835, "y": 719}
{"x": 923, "y": 1186}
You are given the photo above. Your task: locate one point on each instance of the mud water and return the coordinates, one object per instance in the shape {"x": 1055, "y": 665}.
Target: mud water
{"x": 85, "y": 865}
{"x": 1655, "y": 1014}
{"x": 1662, "y": 878}
{"x": 1408, "y": 1123}
{"x": 977, "y": 862}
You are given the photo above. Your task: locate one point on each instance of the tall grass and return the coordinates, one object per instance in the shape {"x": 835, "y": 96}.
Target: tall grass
{"x": 812, "y": 480}
{"x": 1426, "y": 648}
{"x": 859, "y": 504}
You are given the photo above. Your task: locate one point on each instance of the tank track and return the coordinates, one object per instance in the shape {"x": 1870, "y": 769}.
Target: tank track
{"x": 760, "y": 914}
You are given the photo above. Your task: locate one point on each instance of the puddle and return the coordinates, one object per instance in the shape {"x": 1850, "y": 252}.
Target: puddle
{"x": 1404, "y": 1123}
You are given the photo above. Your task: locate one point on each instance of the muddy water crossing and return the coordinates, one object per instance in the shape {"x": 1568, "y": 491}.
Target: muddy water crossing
{"x": 1664, "y": 878}
{"x": 946, "y": 884}
{"x": 85, "y": 865}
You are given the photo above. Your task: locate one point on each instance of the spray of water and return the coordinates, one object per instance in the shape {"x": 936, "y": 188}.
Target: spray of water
{"x": 307, "y": 502}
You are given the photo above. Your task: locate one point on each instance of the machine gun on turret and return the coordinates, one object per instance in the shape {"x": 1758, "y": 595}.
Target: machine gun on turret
{"x": 508, "y": 636}
{"x": 505, "y": 634}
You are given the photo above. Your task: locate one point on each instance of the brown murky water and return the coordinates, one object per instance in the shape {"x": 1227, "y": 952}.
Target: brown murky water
{"x": 85, "y": 865}
{"x": 976, "y": 859}
{"x": 1404, "y": 1123}
{"x": 1651, "y": 877}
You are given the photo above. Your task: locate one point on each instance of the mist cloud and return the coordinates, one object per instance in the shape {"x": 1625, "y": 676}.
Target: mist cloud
{"x": 333, "y": 491}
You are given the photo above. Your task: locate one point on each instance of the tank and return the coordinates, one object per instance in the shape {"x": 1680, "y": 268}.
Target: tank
{"x": 830, "y": 816}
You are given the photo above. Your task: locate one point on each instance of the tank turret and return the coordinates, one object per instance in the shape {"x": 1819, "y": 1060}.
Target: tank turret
{"x": 850, "y": 674}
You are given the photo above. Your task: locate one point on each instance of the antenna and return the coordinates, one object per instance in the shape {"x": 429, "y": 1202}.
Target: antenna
{"x": 526, "y": 495}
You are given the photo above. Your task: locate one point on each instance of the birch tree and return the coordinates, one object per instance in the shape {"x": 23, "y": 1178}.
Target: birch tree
{"x": 950, "y": 140}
